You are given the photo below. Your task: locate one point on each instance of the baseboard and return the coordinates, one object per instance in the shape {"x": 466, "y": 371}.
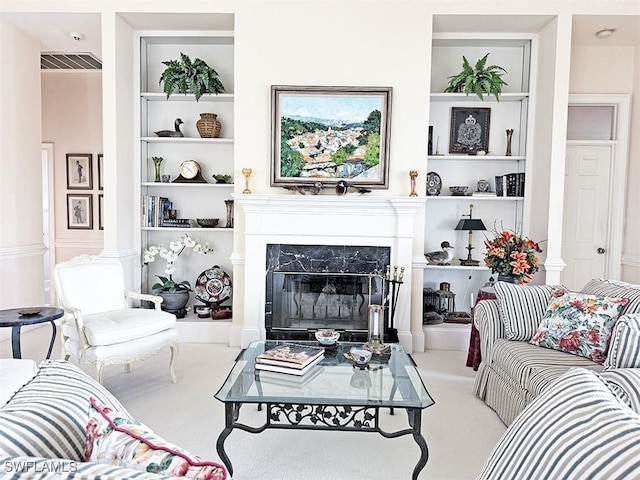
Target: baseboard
{"x": 447, "y": 336}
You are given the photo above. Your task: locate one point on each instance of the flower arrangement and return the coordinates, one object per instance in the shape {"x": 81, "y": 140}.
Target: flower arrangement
{"x": 509, "y": 253}
{"x": 171, "y": 254}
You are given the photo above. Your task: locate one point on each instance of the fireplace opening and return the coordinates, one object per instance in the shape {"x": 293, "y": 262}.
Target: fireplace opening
{"x": 309, "y": 287}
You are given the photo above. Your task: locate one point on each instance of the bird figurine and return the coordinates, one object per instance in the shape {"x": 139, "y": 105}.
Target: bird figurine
{"x": 172, "y": 133}
{"x": 306, "y": 189}
{"x": 342, "y": 188}
{"x": 440, "y": 257}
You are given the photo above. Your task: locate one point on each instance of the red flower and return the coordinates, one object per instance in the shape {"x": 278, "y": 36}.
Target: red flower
{"x": 593, "y": 337}
{"x": 570, "y": 342}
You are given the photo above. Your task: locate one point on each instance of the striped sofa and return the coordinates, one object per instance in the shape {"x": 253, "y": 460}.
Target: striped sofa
{"x": 513, "y": 372}
{"x": 44, "y": 431}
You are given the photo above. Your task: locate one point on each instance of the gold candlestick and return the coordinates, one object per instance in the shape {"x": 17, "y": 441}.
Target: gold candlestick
{"x": 413, "y": 174}
{"x": 247, "y": 173}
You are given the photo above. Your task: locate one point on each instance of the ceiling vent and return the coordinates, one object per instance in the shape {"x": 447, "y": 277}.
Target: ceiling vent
{"x": 69, "y": 61}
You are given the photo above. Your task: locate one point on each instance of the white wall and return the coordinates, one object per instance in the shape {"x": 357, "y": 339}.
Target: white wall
{"x": 72, "y": 121}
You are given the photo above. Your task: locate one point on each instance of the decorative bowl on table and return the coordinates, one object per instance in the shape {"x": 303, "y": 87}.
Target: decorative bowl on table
{"x": 327, "y": 336}
{"x": 458, "y": 190}
{"x": 207, "y": 222}
{"x": 360, "y": 357}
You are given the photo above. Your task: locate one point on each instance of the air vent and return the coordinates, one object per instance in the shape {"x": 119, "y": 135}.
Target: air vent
{"x": 69, "y": 61}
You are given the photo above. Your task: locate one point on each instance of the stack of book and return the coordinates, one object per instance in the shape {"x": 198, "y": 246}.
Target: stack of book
{"x": 510, "y": 185}
{"x": 290, "y": 358}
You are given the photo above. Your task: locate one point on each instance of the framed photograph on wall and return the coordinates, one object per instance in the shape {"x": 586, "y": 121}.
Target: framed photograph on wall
{"x": 100, "y": 211}
{"x": 328, "y": 134}
{"x": 469, "y": 130}
{"x": 79, "y": 211}
{"x": 79, "y": 171}
{"x": 100, "y": 173}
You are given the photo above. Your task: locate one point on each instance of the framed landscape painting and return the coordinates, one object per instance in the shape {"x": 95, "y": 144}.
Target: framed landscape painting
{"x": 469, "y": 130}
{"x": 328, "y": 134}
{"x": 79, "y": 211}
{"x": 79, "y": 171}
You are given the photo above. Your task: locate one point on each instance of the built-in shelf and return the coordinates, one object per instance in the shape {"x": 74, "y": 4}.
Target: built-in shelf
{"x": 471, "y": 197}
{"x": 188, "y": 229}
{"x": 188, "y": 97}
{"x": 478, "y": 158}
{"x": 463, "y": 97}
{"x": 186, "y": 185}
{"x": 176, "y": 140}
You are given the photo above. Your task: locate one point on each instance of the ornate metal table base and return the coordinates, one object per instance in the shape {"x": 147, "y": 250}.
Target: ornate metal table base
{"x": 323, "y": 417}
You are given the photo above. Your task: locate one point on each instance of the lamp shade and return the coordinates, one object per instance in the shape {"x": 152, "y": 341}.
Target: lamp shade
{"x": 470, "y": 224}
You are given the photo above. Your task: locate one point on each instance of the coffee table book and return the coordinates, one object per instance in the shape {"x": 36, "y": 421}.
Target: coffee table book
{"x": 286, "y": 380}
{"x": 289, "y": 370}
{"x": 290, "y": 355}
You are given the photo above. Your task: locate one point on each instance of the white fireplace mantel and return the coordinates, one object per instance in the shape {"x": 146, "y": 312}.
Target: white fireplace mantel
{"x": 324, "y": 220}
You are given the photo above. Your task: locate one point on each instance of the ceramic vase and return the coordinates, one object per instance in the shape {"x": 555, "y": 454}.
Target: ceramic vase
{"x": 508, "y": 279}
{"x": 229, "y": 205}
{"x": 509, "y": 138}
{"x": 209, "y": 126}
{"x": 174, "y": 302}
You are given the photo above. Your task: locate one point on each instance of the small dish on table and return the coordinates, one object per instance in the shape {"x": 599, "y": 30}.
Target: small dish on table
{"x": 327, "y": 336}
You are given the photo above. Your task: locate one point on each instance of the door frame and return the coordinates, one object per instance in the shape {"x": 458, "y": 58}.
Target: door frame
{"x": 50, "y": 181}
{"x": 618, "y": 181}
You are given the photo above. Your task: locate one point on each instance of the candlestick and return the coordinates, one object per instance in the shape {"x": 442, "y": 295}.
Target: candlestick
{"x": 413, "y": 174}
{"x": 247, "y": 173}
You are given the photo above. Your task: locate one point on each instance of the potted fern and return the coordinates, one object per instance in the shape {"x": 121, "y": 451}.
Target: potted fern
{"x": 190, "y": 76}
{"x": 478, "y": 79}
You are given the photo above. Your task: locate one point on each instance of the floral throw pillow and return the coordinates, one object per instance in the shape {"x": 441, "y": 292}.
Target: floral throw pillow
{"x": 578, "y": 323}
{"x": 116, "y": 439}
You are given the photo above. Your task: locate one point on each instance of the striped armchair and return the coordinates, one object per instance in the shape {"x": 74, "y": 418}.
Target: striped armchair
{"x": 513, "y": 372}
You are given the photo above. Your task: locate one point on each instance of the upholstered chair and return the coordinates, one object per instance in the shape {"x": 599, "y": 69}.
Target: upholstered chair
{"x": 99, "y": 326}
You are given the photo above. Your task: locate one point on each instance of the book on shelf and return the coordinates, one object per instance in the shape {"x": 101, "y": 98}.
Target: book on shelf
{"x": 176, "y": 222}
{"x": 154, "y": 210}
{"x": 286, "y": 380}
{"x": 291, "y": 355}
{"x": 290, "y": 370}
{"x": 483, "y": 194}
{"x": 510, "y": 185}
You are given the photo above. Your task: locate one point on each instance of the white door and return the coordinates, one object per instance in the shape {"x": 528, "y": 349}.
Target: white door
{"x": 585, "y": 246}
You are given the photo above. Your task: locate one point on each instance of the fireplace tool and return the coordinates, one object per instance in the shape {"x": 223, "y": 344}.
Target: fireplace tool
{"x": 393, "y": 281}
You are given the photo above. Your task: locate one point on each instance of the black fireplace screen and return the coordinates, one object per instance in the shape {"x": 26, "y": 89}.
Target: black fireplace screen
{"x": 310, "y": 287}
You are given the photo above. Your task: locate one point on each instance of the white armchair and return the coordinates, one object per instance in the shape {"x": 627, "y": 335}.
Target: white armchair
{"x": 99, "y": 328}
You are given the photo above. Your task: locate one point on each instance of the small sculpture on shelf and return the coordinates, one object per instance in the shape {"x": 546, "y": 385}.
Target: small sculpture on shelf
{"x": 342, "y": 188}
{"x": 305, "y": 189}
{"x": 247, "y": 173}
{"x": 413, "y": 174}
{"x": 172, "y": 133}
{"x": 441, "y": 257}
{"x": 220, "y": 178}
{"x": 509, "y": 138}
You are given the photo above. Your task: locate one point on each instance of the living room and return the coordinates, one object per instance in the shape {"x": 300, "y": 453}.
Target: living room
{"x": 390, "y": 44}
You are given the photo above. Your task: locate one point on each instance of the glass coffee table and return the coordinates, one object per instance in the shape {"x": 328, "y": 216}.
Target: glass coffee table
{"x": 334, "y": 395}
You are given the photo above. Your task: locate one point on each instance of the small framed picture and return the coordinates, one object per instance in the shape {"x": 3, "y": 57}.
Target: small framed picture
{"x": 79, "y": 171}
{"x": 100, "y": 211}
{"x": 469, "y": 130}
{"x": 79, "y": 211}
{"x": 100, "y": 173}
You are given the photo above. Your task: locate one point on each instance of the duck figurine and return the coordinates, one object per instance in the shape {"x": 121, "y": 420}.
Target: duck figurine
{"x": 342, "y": 188}
{"x": 440, "y": 257}
{"x": 306, "y": 189}
{"x": 172, "y": 133}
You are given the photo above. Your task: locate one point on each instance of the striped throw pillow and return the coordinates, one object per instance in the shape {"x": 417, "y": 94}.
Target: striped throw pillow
{"x": 48, "y": 416}
{"x": 615, "y": 288}
{"x": 577, "y": 428}
{"x": 522, "y": 307}
{"x": 624, "y": 348}
{"x": 625, "y": 382}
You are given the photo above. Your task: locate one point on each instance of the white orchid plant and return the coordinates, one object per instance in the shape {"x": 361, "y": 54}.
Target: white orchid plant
{"x": 171, "y": 254}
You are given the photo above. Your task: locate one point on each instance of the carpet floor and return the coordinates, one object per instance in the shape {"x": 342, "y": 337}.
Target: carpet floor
{"x": 460, "y": 430}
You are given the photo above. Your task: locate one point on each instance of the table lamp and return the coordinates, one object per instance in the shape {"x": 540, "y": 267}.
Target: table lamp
{"x": 470, "y": 224}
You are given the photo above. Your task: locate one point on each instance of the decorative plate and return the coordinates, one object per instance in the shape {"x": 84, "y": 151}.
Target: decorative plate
{"x": 434, "y": 184}
{"x": 29, "y": 311}
{"x": 213, "y": 285}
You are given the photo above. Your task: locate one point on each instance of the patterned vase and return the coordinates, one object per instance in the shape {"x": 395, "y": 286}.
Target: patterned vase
{"x": 508, "y": 279}
{"x": 209, "y": 126}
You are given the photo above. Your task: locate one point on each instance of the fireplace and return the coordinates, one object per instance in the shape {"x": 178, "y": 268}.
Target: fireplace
{"x": 336, "y": 224}
{"x": 308, "y": 287}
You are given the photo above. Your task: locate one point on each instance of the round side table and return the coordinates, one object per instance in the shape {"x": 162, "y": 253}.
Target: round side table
{"x": 17, "y": 317}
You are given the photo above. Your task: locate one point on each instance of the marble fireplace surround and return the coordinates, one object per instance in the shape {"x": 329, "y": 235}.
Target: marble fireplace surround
{"x": 325, "y": 220}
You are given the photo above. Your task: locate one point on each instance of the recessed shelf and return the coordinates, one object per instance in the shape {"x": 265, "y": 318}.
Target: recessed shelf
{"x": 189, "y": 97}
{"x": 187, "y": 229}
{"x": 187, "y": 185}
{"x": 220, "y": 141}
{"x": 463, "y": 97}
{"x": 479, "y": 158}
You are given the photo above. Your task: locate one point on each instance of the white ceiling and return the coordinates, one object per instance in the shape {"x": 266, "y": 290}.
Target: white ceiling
{"x": 54, "y": 29}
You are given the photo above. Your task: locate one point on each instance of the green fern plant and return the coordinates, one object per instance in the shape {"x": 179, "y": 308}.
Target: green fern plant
{"x": 479, "y": 79}
{"x": 187, "y": 76}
